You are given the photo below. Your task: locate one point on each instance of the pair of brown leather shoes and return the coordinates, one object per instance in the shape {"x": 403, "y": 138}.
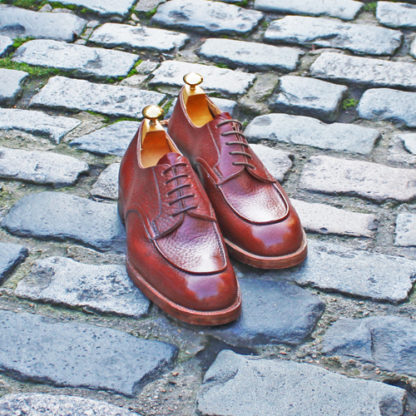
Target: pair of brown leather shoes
{"x": 178, "y": 225}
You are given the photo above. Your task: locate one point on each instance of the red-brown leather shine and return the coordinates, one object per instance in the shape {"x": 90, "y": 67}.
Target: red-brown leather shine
{"x": 252, "y": 209}
{"x": 182, "y": 256}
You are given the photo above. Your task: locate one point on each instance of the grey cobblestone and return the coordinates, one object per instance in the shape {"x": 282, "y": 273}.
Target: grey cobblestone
{"x": 19, "y": 23}
{"x": 10, "y": 256}
{"x": 5, "y": 44}
{"x": 138, "y": 37}
{"x": 37, "y": 122}
{"x": 343, "y": 9}
{"x": 75, "y": 94}
{"x": 311, "y": 132}
{"x": 352, "y": 177}
{"x": 409, "y": 141}
{"x": 309, "y": 96}
{"x": 147, "y": 5}
{"x": 413, "y": 48}
{"x": 359, "y": 38}
{"x": 40, "y": 167}
{"x": 396, "y": 14}
{"x": 103, "y": 288}
{"x": 83, "y": 60}
{"x": 276, "y": 161}
{"x": 104, "y": 7}
{"x": 250, "y": 54}
{"x": 10, "y": 80}
{"x": 364, "y": 71}
{"x": 207, "y": 16}
{"x": 106, "y": 185}
{"x": 387, "y": 104}
{"x": 405, "y": 229}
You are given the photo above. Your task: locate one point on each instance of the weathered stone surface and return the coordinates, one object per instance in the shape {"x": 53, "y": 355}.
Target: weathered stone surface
{"x": 10, "y": 81}
{"x": 138, "y": 37}
{"x": 364, "y": 71}
{"x": 5, "y": 44}
{"x": 344, "y": 9}
{"x": 78, "y": 355}
{"x": 396, "y": 14}
{"x": 339, "y": 268}
{"x": 405, "y": 229}
{"x": 103, "y": 288}
{"x": 399, "y": 150}
{"x": 215, "y": 79}
{"x": 102, "y": 141}
{"x": 326, "y": 219}
{"x": 413, "y": 48}
{"x": 104, "y": 7}
{"x": 42, "y": 404}
{"x": 311, "y": 132}
{"x": 353, "y": 177}
{"x": 250, "y": 54}
{"x": 83, "y": 60}
{"x": 40, "y": 167}
{"x": 10, "y": 256}
{"x": 309, "y": 96}
{"x": 20, "y": 23}
{"x": 107, "y": 183}
{"x": 330, "y": 33}
{"x": 273, "y": 313}
{"x": 63, "y": 216}
{"x": 147, "y": 5}
{"x": 37, "y": 122}
{"x": 409, "y": 141}
{"x": 238, "y": 385}
{"x": 207, "y": 16}
{"x": 389, "y": 342}
{"x": 76, "y": 94}
{"x": 277, "y": 162}
{"x": 387, "y": 104}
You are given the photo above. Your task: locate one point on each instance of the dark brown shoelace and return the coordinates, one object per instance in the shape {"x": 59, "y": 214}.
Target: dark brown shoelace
{"x": 178, "y": 188}
{"x": 237, "y": 142}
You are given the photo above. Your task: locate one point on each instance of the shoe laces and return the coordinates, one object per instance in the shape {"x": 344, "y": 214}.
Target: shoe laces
{"x": 178, "y": 188}
{"x": 244, "y": 144}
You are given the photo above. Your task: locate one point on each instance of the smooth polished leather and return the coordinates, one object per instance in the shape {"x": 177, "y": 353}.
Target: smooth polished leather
{"x": 254, "y": 213}
{"x": 174, "y": 246}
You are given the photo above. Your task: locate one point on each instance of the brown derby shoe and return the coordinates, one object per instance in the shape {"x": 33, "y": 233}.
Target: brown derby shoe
{"x": 175, "y": 251}
{"x": 260, "y": 226}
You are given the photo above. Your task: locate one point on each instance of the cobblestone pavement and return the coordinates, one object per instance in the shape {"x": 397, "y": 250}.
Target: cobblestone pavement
{"x": 327, "y": 94}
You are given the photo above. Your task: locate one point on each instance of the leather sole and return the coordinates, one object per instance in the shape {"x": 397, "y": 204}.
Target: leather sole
{"x": 190, "y": 316}
{"x": 263, "y": 262}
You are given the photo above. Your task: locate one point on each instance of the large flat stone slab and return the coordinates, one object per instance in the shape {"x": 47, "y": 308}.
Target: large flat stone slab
{"x": 390, "y": 105}
{"x": 358, "y": 178}
{"x": 102, "y": 141}
{"x": 343, "y": 9}
{"x": 309, "y": 131}
{"x": 40, "y": 167}
{"x": 413, "y": 48}
{"x": 102, "y": 288}
{"x": 309, "y": 96}
{"x": 238, "y": 385}
{"x": 83, "y": 60}
{"x": 60, "y": 216}
{"x": 401, "y": 15}
{"x": 37, "y": 122}
{"x": 207, "y": 16}
{"x": 389, "y": 342}
{"x": 409, "y": 141}
{"x": 405, "y": 229}
{"x": 364, "y": 71}
{"x": 20, "y": 23}
{"x": 76, "y": 94}
{"x": 215, "y": 79}
{"x": 339, "y": 268}
{"x": 71, "y": 354}
{"x": 10, "y": 80}
{"x": 250, "y": 54}
{"x": 104, "y": 7}
{"x": 326, "y": 219}
{"x": 5, "y": 44}
{"x": 330, "y": 33}
{"x": 106, "y": 185}
{"x": 273, "y": 313}
{"x": 43, "y": 404}
{"x": 10, "y": 256}
{"x": 277, "y": 162}
{"x": 113, "y": 35}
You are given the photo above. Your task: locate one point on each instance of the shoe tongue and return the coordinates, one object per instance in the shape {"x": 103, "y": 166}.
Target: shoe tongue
{"x": 169, "y": 158}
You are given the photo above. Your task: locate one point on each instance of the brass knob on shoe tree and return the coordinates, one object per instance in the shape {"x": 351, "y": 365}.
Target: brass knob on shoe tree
{"x": 152, "y": 113}
{"x": 193, "y": 79}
